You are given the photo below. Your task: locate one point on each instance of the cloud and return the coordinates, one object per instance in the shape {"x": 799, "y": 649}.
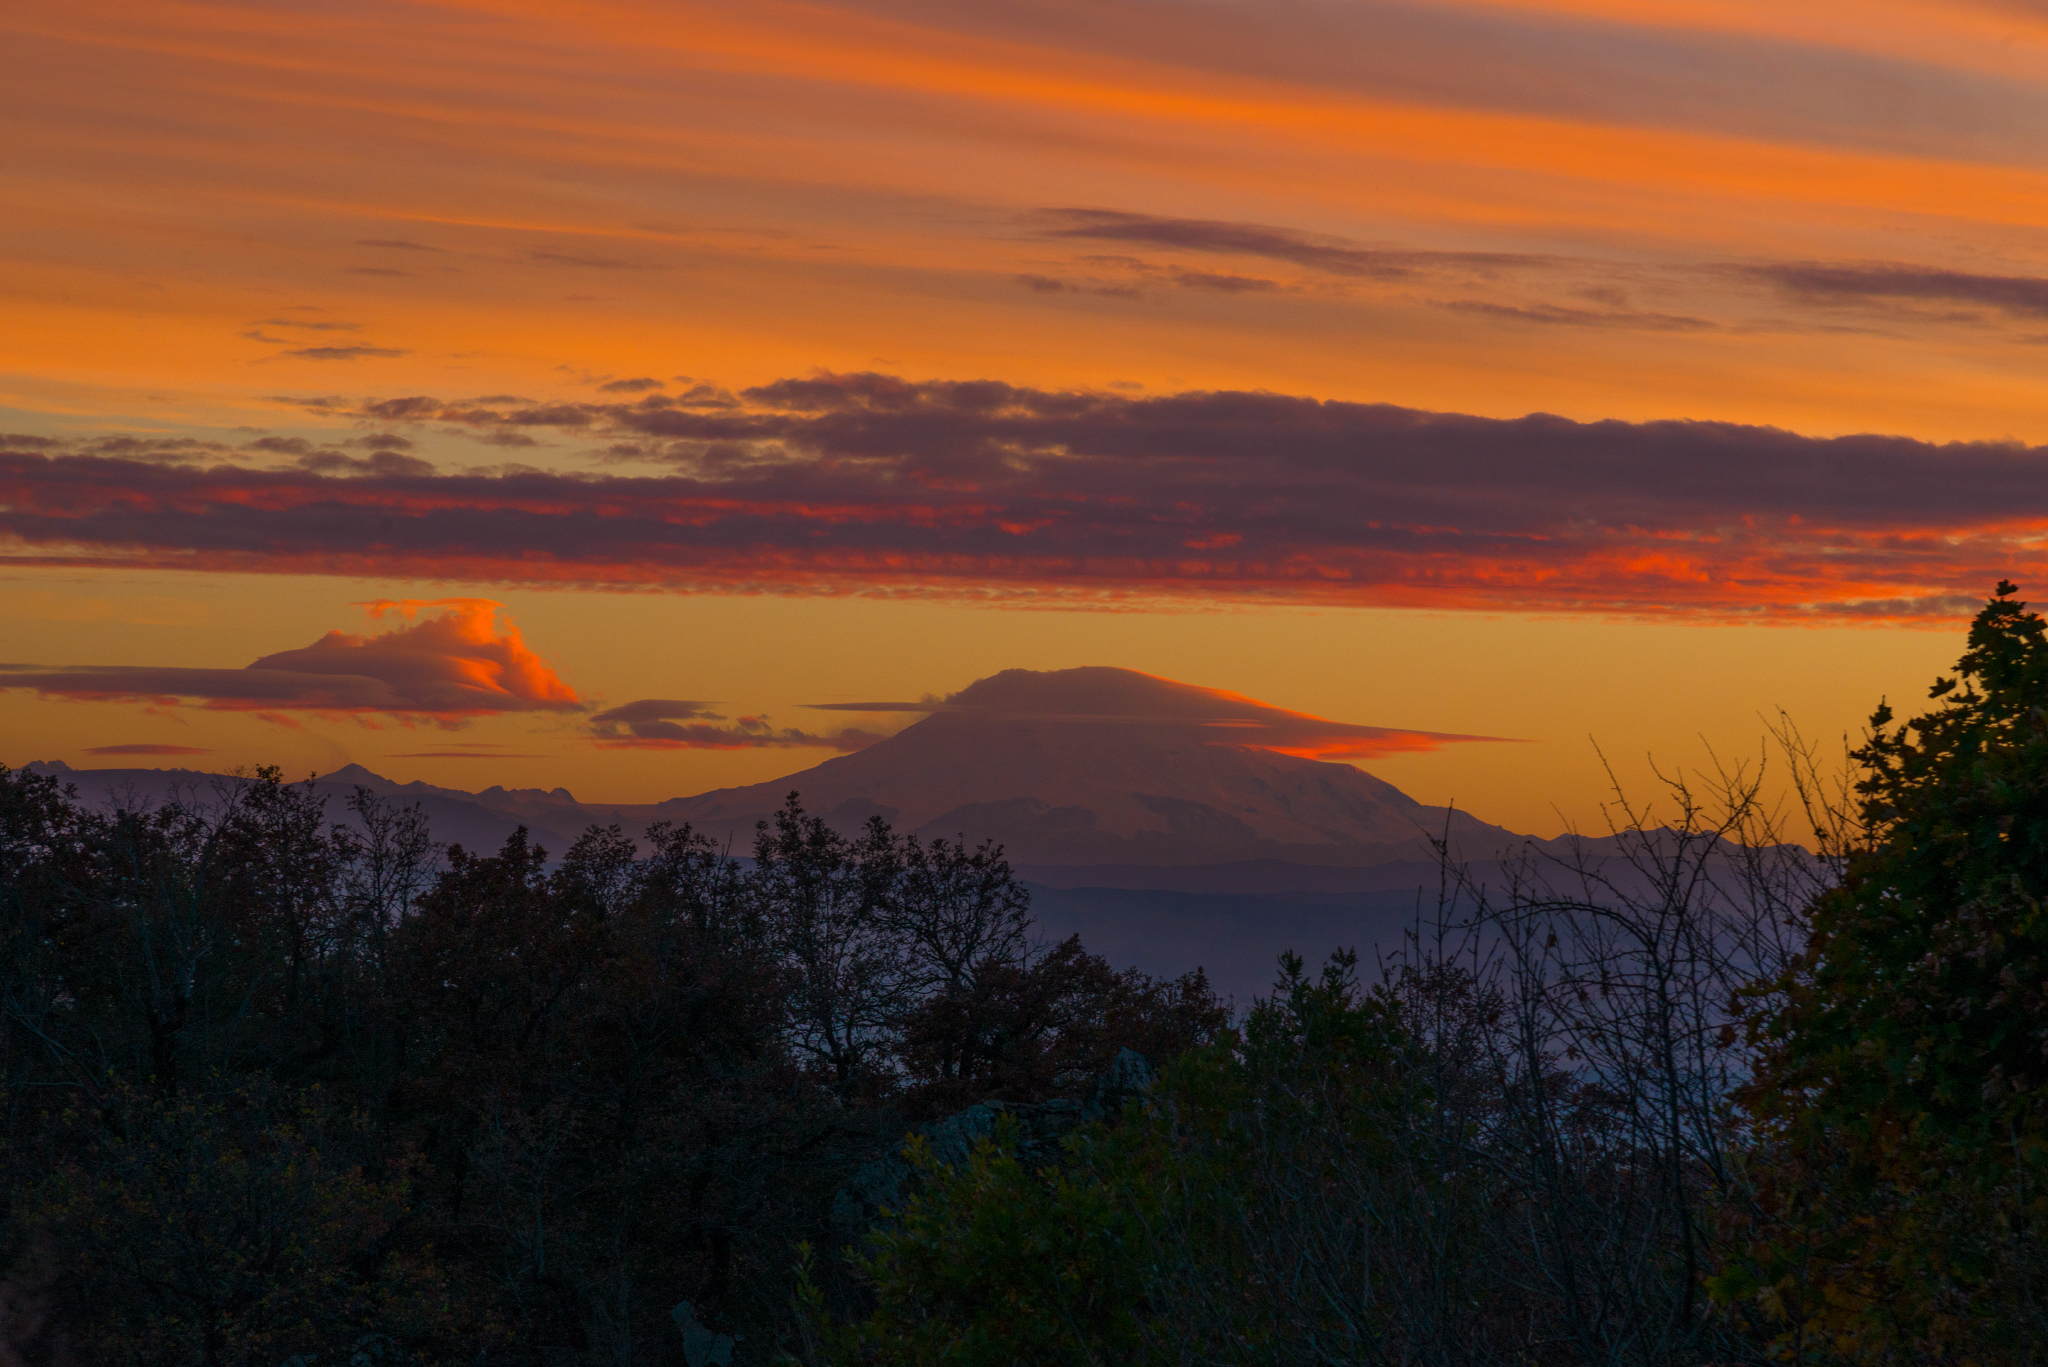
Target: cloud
{"x": 395, "y": 244}
{"x": 403, "y": 410}
{"x": 1224, "y": 284}
{"x": 386, "y": 455}
{"x": 147, "y": 748}
{"x": 1550, "y": 315}
{"x": 1125, "y": 698}
{"x": 1330, "y": 255}
{"x": 870, "y": 483}
{"x": 343, "y": 353}
{"x": 603, "y": 263}
{"x": 128, "y": 446}
{"x": 1868, "y": 282}
{"x": 672, "y": 724}
{"x": 388, "y": 463}
{"x": 443, "y": 668}
{"x": 1046, "y": 284}
{"x": 282, "y": 446}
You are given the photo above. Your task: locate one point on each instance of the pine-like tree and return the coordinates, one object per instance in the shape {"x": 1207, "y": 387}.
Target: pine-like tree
{"x": 1903, "y": 1174}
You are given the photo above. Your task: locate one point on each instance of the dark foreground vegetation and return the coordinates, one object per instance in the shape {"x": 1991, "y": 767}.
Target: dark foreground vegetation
{"x": 285, "y": 1089}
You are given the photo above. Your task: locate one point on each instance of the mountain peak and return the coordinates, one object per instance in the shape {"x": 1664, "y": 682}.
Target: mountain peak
{"x": 1106, "y": 765}
{"x": 1109, "y": 695}
{"x": 1098, "y": 693}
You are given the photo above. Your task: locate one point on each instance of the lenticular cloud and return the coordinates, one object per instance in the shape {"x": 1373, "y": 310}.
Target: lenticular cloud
{"x": 455, "y": 664}
{"x": 1128, "y": 698}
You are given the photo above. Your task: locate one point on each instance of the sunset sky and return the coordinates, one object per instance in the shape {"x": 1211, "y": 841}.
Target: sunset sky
{"x": 568, "y": 394}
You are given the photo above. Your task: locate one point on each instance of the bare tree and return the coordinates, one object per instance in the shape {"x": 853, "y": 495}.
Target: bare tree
{"x": 848, "y": 973}
{"x": 1620, "y": 965}
{"x": 1538, "y": 1170}
{"x": 955, "y": 911}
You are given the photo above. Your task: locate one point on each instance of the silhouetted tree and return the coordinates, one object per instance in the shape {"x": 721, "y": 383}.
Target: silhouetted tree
{"x": 1905, "y": 1178}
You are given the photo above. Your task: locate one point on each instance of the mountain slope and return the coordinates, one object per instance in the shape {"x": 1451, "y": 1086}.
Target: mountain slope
{"x": 1137, "y": 780}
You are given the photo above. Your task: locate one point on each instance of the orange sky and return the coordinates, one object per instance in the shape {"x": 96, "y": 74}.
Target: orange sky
{"x": 235, "y": 234}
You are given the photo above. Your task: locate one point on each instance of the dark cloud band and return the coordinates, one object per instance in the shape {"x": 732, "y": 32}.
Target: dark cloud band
{"x": 870, "y": 483}
{"x": 1873, "y": 282}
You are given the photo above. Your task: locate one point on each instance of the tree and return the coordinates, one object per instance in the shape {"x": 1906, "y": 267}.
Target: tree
{"x": 1025, "y": 1029}
{"x": 1172, "y": 1234}
{"x": 1898, "y": 1088}
{"x": 848, "y": 974}
{"x": 233, "y": 1227}
{"x": 280, "y": 1088}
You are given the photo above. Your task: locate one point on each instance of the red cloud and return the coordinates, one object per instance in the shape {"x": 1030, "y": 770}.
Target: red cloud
{"x": 1128, "y": 698}
{"x": 444, "y": 668}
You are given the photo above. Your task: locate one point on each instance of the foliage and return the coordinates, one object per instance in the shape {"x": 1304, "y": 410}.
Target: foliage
{"x": 280, "y": 1085}
{"x": 234, "y": 1226}
{"x": 1015, "y": 1029}
{"x": 1898, "y": 1088}
{"x": 1145, "y": 1243}
{"x": 284, "y": 1086}
{"x": 1513, "y": 1148}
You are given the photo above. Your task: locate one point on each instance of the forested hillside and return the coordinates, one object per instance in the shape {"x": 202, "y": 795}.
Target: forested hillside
{"x": 284, "y": 1088}
{"x": 277, "y": 1082}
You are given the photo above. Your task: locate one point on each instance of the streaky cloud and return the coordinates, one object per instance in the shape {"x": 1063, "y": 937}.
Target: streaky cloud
{"x": 147, "y": 748}
{"x": 673, "y": 724}
{"x": 1877, "y": 281}
{"x": 1331, "y": 255}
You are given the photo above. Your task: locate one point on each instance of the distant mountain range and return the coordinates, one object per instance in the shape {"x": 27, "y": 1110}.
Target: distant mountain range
{"x": 1144, "y": 824}
{"x": 1069, "y": 770}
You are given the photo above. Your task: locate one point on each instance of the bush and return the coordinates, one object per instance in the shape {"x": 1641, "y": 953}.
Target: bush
{"x": 1196, "y": 1225}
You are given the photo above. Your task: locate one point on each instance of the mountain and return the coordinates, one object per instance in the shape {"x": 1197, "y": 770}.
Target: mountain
{"x": 1166, "y": 824}
{"x": 1110, "y": 773}
{"x": 476, "y": 821}
{"x": 1082, "y": 768}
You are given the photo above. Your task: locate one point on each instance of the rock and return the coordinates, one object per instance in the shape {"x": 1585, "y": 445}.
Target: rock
{"x": 1128, "y": 1075}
